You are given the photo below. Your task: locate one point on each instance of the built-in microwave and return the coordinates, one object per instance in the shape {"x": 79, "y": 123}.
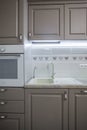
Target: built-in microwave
{"x": 11, "y": 66}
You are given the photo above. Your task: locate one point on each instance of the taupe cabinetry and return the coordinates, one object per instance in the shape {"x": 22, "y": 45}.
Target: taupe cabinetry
{"x": 76, "y": 21}
{"x": 46, "y": 109}
{"x": 11, "y": 109}
{"x": 46, "y": 22}
{"x": 11, "y": 21}
{"x": 78, "y": 109}
{"x": 11, "y": 122}
{"x": 58, "y": 21}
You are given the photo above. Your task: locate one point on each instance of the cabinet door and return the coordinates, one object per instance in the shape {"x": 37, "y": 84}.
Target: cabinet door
{"x": 11, "y": 122}
{"x": 11, "y": 18}
{"x": 46, "y": 109}
{"x": 78, "y": 110}
{"x": 46, "y": 22}
{"x": 76, "y": 21}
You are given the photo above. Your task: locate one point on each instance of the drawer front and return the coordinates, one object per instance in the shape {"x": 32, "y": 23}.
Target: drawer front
{"x": 11, "y": 121}
{"x": 12, "y": 93}
{"x": 12, "y": 106}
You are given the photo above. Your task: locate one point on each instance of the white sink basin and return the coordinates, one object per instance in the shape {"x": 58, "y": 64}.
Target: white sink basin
{"x": 41, "y": 81}
{"x": 56, "y": 81}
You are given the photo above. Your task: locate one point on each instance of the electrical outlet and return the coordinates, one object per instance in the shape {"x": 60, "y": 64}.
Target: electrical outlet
{"x": 83, "y": 66}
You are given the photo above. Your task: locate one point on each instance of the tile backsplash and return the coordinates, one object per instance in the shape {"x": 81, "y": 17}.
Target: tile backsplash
{"x": 67, "y": 61}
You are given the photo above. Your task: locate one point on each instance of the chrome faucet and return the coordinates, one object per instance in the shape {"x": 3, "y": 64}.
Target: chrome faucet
{"x": 52, "y": 69}
{"x": 34, "y": 70}
{"x": 52, "y": 74}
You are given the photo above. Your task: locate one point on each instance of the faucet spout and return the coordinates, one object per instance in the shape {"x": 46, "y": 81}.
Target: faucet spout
{"x": 50, "y": 67}
{"x": 34, "y": 70}
{"x": 52, "y": 74}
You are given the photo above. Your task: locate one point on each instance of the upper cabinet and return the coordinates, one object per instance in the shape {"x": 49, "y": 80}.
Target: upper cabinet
{"x": 57, "y": 21}
{"x": 46, "y": 22}
{"x": 76, "y": 21}
{"x": 11, "y": 21}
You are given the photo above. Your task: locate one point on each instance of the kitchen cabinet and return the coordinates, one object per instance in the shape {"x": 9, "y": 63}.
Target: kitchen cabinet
{"x": 46, "y": 22}
{"x": 78, "y": 109}
{"x": 11, "y": 108}
{"x": 11, "y": 122}
{"x": 57, "y": 21}
{"x": 46, "y": 109}
{"x": 11, "y": 21}
{"x": 76, "y": 21}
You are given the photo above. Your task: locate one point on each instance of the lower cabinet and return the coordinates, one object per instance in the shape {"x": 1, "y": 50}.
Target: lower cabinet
{"x": 12, "y": 109}
{"x": 11, "y": 121}
{"x": 78, "y": 109}
{"x": 46, "y": 109}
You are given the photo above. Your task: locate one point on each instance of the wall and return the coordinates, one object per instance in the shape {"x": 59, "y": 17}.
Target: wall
{"x": 69, "y": 60}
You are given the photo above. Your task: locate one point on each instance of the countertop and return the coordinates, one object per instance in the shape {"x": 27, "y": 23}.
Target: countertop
{"x": 61, "y": 83}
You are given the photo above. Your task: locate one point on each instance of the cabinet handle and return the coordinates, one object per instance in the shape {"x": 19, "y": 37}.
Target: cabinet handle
{"x": 65, "y": 96}
{"x": 30, "y": 34}
{"x": 2, "y": 50}
{"x": 3, "y": 117}
{"x": 2, "y": 103}
{"x": 20, "y": 37}
{"x": 84, "y": 91}
{"x": 2, "y": 90}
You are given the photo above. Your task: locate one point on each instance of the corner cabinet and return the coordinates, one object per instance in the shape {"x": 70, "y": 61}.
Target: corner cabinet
{"x": 11, "y": 21}
{"x": 46, "y": 109}
{"x": 46, "y": 22}
{"x": 78, "y": 109}
{"x": 76, "y": 21}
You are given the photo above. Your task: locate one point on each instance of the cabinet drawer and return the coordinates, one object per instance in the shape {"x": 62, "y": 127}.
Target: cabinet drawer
{"x": 12, "y": 93}
{"x": 12, "y": 106}
{"x": 11, "y": 121}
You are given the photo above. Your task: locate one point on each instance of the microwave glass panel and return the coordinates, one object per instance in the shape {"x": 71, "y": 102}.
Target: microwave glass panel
{"x": 8, "y": 69}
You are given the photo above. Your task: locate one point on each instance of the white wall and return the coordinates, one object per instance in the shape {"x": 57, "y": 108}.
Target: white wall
{"x": 63, "y": 67}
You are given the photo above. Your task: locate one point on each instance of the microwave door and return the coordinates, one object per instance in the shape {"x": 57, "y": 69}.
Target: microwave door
{"x": 11, "y": 69}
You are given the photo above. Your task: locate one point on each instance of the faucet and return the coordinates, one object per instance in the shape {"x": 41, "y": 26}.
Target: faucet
{"x": 52, "y": 69}
{"x": 52, "y": 74}
{"x": 34, "y": 70}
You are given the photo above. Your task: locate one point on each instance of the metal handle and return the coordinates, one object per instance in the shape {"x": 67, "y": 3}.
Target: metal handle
{"x": 65, "y": 96}
{"x": 84, "y": 91}
{"x": 2, "y": 103}
{"x": 2, "y": 90}
{"x": 20, "y": 37}
{"x": 30, "y": 34}
{"x": 17, "y": 55}
{"x": 3, "y": 117}
{"x": 2, "y": 50}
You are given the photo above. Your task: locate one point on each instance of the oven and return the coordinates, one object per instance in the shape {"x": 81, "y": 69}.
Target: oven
{"x": 11, "y": 66}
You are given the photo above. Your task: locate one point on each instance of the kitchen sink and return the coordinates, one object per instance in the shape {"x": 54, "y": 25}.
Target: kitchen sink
{"x": 41, "y": 81}
{"x": 55, "y": 81}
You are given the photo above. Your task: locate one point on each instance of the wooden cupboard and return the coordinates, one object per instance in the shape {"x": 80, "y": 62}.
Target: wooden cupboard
{"x": 46, "y": 22}
{"x": 57, "y": 21}
{"x": 11, "y": 109}
{"x": 11, "y": 121}
{"x": 11, "y": 21}
{"x": 46, "y": 109}
{"x": 78, "y": 109}
{"x": 76, "y": 21}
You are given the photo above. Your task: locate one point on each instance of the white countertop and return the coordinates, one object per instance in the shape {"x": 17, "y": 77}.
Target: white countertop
{"x": 58, "y": 83}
